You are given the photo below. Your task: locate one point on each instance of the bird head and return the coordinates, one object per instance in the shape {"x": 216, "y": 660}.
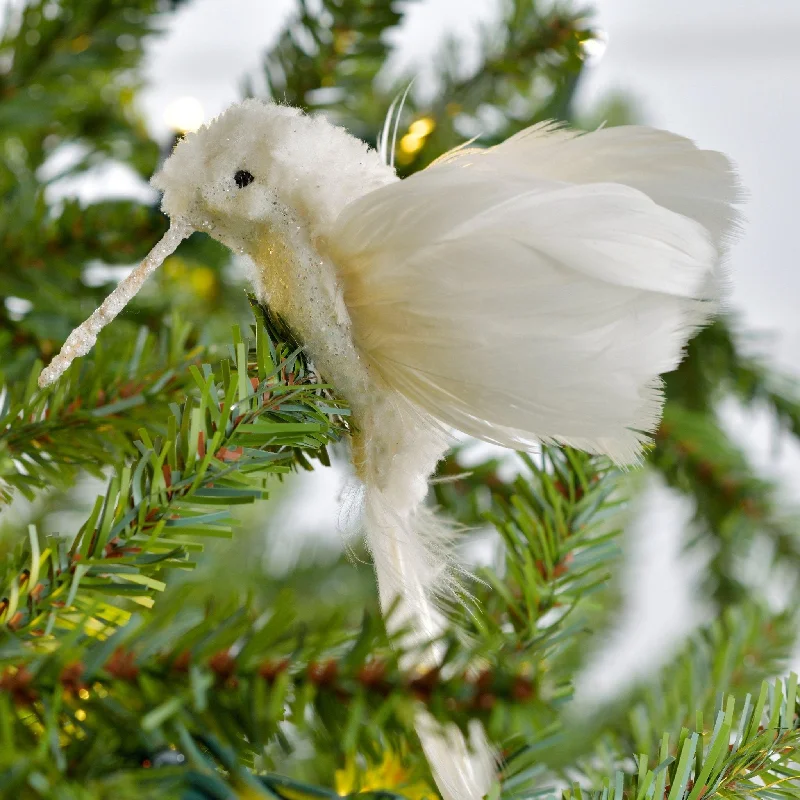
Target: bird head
{"x": 221, "y": 178}
{"x": 258, "y": 165}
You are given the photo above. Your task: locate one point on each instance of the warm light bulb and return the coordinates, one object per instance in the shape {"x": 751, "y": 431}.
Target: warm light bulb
{"x": 594, "y": 49}
{"x": 184, "y": 114}
{"x": 421, "y": 127}
{"x": 411, "y": 144}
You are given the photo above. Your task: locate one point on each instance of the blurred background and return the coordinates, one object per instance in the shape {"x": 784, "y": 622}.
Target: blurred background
{"x": 712, "y": 534}
{"x": 725, "y": 73}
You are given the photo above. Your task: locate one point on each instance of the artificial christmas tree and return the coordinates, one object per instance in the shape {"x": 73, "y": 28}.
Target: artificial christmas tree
{"x": 145, "y": 653}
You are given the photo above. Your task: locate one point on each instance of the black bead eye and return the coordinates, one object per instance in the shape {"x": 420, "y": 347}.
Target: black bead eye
{"x": 243, "y": 178}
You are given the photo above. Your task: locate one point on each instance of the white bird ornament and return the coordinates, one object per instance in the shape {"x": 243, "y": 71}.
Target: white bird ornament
{"x": 530, "y": 292}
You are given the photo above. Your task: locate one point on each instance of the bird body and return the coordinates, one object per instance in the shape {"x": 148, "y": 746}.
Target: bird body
{"x": 530, "y": 292}
{"x": 395, "y": 446}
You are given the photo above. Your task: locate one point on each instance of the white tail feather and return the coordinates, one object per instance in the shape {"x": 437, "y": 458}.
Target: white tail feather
{"x": 410, "y": 548}
{"x": 463, "y": 770}
{"x": 408, "y": 554}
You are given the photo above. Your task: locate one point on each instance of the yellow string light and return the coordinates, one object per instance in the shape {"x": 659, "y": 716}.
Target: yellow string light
{"x": 80, "y": 43}
{"x": 203, "y": 282}
{"x": 175, "y": 268}
{"x": 413, "y": 141}
{"x": 422, "y": 127}
{"x": 411, "y": 144}
{"x": 80, "y": 715}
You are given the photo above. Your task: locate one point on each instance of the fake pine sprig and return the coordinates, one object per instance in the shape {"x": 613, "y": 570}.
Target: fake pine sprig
{"x": 559, "y": 520}
{"x": 252, "y": 416}
{"x": 235, "y": 673}
{"x": 751, "y": 750}
{"x": 81, "y": 44}
{"x": 233, "y": 677}
{"x": 92, "y": 416}
{"x": 314, "y": 70}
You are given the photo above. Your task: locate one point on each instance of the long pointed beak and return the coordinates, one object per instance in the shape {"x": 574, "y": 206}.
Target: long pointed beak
{"x": 83, "y": 338}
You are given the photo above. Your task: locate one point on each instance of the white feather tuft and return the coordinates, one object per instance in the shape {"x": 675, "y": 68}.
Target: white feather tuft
{"x": 464, "y": 770}
{"x": 395, "y": 452}
{"x": 391, "y": 124}
{"x": 521, "y": 310}
{"x": 671, "y": 169}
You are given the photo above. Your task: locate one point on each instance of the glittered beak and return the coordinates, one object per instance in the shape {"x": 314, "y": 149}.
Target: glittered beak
{"x": 83, "y": 338}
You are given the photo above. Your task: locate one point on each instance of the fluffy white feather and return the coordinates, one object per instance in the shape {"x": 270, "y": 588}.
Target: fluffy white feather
{"x": 522, "y": 310}
{"x": 531, "y": 292}
{"x": 671, "y": 169}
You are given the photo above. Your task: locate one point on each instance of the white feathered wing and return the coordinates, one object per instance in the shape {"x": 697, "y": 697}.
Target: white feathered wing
{"x": 536, "y": 291}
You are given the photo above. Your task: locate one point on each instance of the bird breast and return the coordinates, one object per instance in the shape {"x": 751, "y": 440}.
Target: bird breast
{"x": 298, "y": 283}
